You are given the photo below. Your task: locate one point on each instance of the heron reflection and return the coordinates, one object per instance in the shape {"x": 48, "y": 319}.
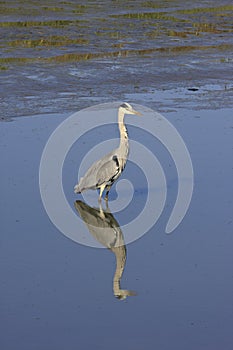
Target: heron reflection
{"x": 106, "y": 230}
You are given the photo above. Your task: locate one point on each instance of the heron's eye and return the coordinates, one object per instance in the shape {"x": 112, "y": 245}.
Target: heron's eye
{"x": 124, "y": 105}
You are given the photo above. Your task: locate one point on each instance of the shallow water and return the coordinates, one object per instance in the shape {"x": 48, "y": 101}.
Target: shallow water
{"x": 60, "y": 293}
{"x": 176, "y": 59}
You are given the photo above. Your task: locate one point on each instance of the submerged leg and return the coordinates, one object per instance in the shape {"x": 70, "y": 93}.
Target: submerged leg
{"x": 106, "y": 195}
{"x": 101, "y": 192}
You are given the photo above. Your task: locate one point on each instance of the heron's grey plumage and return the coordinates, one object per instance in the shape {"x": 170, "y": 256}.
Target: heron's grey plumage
{"x": 104, "y": 172}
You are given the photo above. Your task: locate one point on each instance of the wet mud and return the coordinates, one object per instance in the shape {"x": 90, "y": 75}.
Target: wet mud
{"x": 65, "y": 56}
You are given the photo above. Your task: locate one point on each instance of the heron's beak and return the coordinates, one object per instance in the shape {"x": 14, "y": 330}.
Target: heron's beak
{"x": 136, "y": 112}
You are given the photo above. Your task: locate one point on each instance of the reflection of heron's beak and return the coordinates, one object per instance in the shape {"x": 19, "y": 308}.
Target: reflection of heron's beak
{"x": 123, "y": 294}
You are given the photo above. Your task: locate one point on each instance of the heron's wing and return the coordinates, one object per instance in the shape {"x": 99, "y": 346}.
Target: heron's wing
{"x": 102, "y": 171}
{"x": 109, "y": 171}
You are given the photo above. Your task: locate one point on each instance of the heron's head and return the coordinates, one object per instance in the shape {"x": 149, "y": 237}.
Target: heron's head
{"x": 128, "y": 109}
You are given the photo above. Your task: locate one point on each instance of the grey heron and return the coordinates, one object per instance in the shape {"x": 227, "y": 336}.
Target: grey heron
{"x": 105, "y": 229}
{"x": 104, "y": 172}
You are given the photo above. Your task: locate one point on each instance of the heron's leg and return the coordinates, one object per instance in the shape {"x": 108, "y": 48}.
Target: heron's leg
{"x": 101, "y": 211}
{"x": 107, "y": 208}
{"x": 106, "y": 195}
{"x": 101, "y": 192}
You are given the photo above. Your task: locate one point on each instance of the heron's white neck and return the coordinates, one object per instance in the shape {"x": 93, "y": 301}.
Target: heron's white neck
{"x": 122, "y": 127}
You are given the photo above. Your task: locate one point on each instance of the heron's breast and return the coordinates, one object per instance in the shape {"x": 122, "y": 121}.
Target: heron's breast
{"x": 122, "y": 163}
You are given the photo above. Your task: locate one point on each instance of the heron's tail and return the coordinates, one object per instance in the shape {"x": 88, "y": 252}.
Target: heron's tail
{"x": 77, "y": 188}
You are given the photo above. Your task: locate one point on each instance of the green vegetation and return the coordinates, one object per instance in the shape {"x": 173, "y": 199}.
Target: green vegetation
{"x": 177, "y": 34}
{"x": 152, "y": 4}
{"x": 18, "y": 11}
{"x": 54, "y": 9}
{"x": 209, "y": 28}
{"x": 52, "y": 23}
{"x": 200, "y": 10}
{"x": 3, "y": 67}
{"x": 53, "y": 41}
{"x": 74, "y": 57}
{"x": 150, "y": 15}
{"x": 51, "y": 28}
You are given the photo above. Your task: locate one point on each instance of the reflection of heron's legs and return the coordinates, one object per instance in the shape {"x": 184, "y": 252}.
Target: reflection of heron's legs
{"x": 107, "y": 208}
{"x": 108, "y": 189}
{"x": 101, "y": 211}
{"x": 101, "y": 191}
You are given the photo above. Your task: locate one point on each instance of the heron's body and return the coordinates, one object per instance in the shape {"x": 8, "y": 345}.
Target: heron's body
{"x": 104, "y": 172}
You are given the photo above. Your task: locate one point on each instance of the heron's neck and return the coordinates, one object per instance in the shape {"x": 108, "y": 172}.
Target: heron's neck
{"x": 122, "y": 128}
{"x": 120, "y": 253}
